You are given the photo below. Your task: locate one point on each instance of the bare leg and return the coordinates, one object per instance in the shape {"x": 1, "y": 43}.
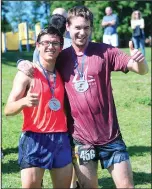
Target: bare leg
{"x": 32, "y": 177}
{"x": 74, "y": 178}
{"x": 61, "y": 177}
{"x": 122, "y": 174}
{"x": 87, "y": 174}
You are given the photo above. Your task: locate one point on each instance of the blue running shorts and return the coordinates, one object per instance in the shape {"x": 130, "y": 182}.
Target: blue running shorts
{"x": 44, "y": 150}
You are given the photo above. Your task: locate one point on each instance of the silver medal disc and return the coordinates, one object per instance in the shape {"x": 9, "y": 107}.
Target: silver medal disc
{"x": 54, "y": 104}
{"x": 81, "y": 86}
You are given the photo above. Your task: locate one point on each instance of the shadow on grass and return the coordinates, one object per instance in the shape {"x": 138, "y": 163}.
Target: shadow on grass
{"x": 138, "y": 150}
{"x": 106, "y": 183}
{"x": 139, "y": 179}
{"x": 10, "y": 58}
{"x": 10, "y": 167}
{"x": 10, "y": 151}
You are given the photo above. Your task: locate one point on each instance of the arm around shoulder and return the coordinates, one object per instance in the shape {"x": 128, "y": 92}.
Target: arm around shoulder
{"x": 26, "y": 67}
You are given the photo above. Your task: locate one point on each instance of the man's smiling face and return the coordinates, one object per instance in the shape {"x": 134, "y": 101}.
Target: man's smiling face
{"x": 49, "y": 46}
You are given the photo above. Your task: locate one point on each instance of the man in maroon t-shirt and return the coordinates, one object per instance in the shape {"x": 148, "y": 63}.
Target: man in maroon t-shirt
{"x": 86, "y": 69}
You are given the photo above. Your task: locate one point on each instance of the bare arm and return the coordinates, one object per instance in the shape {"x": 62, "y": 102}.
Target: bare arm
{"x": 138, "y": 63}
{"x": 112, "y": 22}
{"x": 108, "y": 23}
{"x": 142, "y": 24}
{"x": 103, "y": 23}
{"x": 18, "y": 99}
{"x": 133, "y": 24}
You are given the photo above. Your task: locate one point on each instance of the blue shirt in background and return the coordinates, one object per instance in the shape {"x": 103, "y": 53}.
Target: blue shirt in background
{"x": 109, "y": 30}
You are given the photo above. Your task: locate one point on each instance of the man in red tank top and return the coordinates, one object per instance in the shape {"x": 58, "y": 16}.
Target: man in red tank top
{"x": 44, "y": 142}
{"x": 86, "y": 68}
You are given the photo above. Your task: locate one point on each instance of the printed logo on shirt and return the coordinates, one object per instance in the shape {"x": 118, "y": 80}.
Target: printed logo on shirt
{"x": 90, "y": 79}
{"x": 120, "y": 53}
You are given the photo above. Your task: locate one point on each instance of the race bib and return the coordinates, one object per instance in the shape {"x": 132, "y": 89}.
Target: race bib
{"x": 84, "y": 154}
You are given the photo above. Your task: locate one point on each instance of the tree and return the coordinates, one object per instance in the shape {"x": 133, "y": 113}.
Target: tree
{"x": 5, "y": 26}
{"x": 36, "y": 13}
{"x": 17, "y": 13}
{"x": 47, "y": 6}
{"x": 65, "y": 4}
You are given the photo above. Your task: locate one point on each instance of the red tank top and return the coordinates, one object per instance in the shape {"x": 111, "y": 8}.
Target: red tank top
{"x": 41, "y": 118}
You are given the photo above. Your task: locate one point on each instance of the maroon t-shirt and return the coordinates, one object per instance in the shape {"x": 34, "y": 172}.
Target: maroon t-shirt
{"x": 93, "y": 111}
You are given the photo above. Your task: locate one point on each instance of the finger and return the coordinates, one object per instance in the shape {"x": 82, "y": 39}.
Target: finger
{"x": 33, "y": 104}
{"x": 134, "y": 53}
{"x": 34, "y": 95}
{"x": 34, "y": 101}
{"x": 30, "y": 73}
{"x": 137, "y": 54}
{"x": 140, "y": 59}
{"x": 30, "y": 89}
{"x": 131, "y": 46}
{"x": 26, "y": 67}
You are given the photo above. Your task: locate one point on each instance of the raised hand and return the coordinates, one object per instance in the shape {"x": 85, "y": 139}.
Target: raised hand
{"x": 136, "y": 55}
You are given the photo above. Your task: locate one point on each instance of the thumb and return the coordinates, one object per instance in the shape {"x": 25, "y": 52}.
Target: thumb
{"x": 30, "y": 89}
{"x": 131, "y": 46}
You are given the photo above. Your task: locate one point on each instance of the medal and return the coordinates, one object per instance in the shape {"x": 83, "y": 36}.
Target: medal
{"x": 81, "y": 86}
{"x": 54, "y": 104}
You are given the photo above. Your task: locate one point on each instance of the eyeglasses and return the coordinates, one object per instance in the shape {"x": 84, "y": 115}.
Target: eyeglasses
{"x": 48, "y": 43}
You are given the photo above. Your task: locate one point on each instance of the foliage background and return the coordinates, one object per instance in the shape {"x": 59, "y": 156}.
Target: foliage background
{"x": 123, "y": 9}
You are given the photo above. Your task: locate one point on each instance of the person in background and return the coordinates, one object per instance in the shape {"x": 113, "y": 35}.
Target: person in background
{"x": 85, "y": 68}
{"x": 60, "y": 16}
{"x": 2, "y": 154}
{"x": 67, "y": 38}
{"x": 110, "y": 23}
{"x": 44, "y": 142}
{"x": 137, "y": 26}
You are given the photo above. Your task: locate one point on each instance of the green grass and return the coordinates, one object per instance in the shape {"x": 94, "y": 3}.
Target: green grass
{"x": 133, "y": 101}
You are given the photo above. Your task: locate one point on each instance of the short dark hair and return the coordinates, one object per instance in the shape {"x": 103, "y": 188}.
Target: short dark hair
{"x": 59, "y": 22}
{"x": 50, "y": 30}
{"x": 81, "y": 11}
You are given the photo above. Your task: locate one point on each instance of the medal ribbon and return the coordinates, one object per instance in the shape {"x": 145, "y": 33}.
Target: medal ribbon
{"x": 80, "y": 72}
{"x": 52, "y": 89}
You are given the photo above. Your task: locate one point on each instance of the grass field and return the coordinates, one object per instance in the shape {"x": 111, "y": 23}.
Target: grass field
{"x": 133, "y": 101}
